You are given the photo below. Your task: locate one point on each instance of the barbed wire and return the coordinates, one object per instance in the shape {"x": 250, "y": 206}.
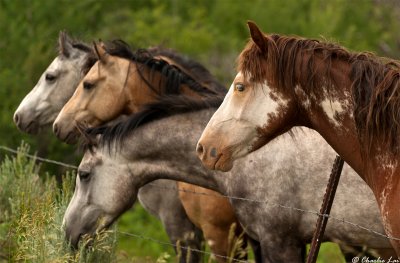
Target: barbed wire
{"x": 283, "y": 206}
{"x": 342, "y": 220}
{"x": 39, "y": 158}
{"x": 176, "y": 246}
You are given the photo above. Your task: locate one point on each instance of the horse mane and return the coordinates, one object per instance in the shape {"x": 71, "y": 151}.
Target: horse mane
{"x": 167, "y": 105}
{"x": 290, "y": 61}
{"x": 91, "y": 59}
{"x": 200, "y": 80}
{"x": 82, "y": 46}
{"x": 199, "y": 72}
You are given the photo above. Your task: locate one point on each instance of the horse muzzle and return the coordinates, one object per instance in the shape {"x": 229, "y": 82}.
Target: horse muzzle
{"x": 26, "y": 123}
{"x": 66, "y": 134}
{"x": 213, "y": 158}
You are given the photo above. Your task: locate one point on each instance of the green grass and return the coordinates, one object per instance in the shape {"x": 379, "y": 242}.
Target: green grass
{"x": 138, "y": 221}
{"x": 330, "y": 252}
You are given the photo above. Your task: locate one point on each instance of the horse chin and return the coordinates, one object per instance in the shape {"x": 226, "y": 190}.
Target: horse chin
{"x": 72, "y": 138}
{"x": 31, "y": 128}
{"x": 90, "y": 230}
{"x": 65, "y": 131}
{"x": 224, "y": 163}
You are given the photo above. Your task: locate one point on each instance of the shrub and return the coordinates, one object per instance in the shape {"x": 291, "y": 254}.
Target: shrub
{"x": 32, "y": 209}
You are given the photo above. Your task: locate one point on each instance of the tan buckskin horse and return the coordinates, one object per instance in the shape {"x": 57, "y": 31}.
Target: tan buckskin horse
{"x": 122, "y": 82}
{"x": 351, "y": 99}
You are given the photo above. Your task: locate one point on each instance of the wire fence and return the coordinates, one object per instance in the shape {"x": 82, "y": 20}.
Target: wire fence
{"x": 5, "y": 148}
{"x": 180, "y": 246}
{"x": 283, "y": 206}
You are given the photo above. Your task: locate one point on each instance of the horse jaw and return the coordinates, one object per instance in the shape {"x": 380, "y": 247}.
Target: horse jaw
{"x": 93, "y": 206}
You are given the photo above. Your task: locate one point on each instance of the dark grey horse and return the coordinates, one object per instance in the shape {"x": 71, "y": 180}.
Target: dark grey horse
{"x": 286, "y": 180}
{"x": 41, "y": 106}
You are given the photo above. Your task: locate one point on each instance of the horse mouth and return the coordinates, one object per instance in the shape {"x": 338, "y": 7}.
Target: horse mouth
{"x": 88, "y": 236}
{"x": 223, "y": 163}
{"x": 71, "y": 138}
{"x": 74, "y": 243}
{"x": 31, "y": 128}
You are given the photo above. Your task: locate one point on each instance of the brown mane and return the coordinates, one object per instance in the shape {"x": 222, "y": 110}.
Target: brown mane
{"x": 291, "y": 61}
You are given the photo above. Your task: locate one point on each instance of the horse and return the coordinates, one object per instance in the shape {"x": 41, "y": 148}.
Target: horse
{"x": 350, "y": 98}
{"x": 121, "y": 82}
{"x": 41, "y": 106}
{"x": 273, "y": 191}
{"x": 43, "y": 103}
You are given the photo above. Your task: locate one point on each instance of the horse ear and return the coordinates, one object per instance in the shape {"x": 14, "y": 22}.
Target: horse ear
{"x": 100, "y": 52}
{"x": 257, "y": 36}
{"x": 102, "y": 44}
{"x": 64, "y": 44}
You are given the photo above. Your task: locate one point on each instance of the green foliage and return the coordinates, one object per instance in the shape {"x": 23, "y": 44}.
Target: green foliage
{"x": 32, "y": 212}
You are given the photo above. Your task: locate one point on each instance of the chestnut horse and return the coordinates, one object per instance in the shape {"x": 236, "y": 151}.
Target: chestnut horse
{"x": 351, "y": 99}
{"x": 121, "y": 82}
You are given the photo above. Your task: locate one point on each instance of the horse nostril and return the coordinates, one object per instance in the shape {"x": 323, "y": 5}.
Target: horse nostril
{"x": 213, "y": 152}
{"x": 16, "y": 118}
{"x": 200, "y": 150}
{"x": 55, "y": 128}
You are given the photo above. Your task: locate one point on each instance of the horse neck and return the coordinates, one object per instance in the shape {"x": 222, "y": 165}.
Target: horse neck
{"x": 329, "y": 110}
{"x": 139, "y": 92}
{"x": 165, "y": 152}
{"x": 206, "y": 80}
{"x": 137, "y": 87}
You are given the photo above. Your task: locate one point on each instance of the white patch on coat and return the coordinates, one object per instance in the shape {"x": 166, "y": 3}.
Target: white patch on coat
{"x": 302, "y": 95}
{"x": 254, "y": 111}
{"x": 333, "y": 109}
{"x": 387, "y": 168}
{"x": 266, "y": 104}
{"x": 241, "y": 115}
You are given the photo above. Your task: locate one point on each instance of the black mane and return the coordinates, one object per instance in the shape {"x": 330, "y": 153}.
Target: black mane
{"x": 165, "y": 107}
{"x": 200, "y": 80}
{"x": 82, "y": 46}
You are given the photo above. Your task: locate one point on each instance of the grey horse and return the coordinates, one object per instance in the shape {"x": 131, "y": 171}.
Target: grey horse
{"x": 277, "y": 187}
{"x": 40, "y": 108}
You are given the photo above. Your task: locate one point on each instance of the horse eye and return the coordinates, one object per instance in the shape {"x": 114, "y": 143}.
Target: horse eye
{"x": 240, "y": 87}
{"x": 84, "y": 175}
{"x": 50, "y": 77}
{"x": 87, "y": 85}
